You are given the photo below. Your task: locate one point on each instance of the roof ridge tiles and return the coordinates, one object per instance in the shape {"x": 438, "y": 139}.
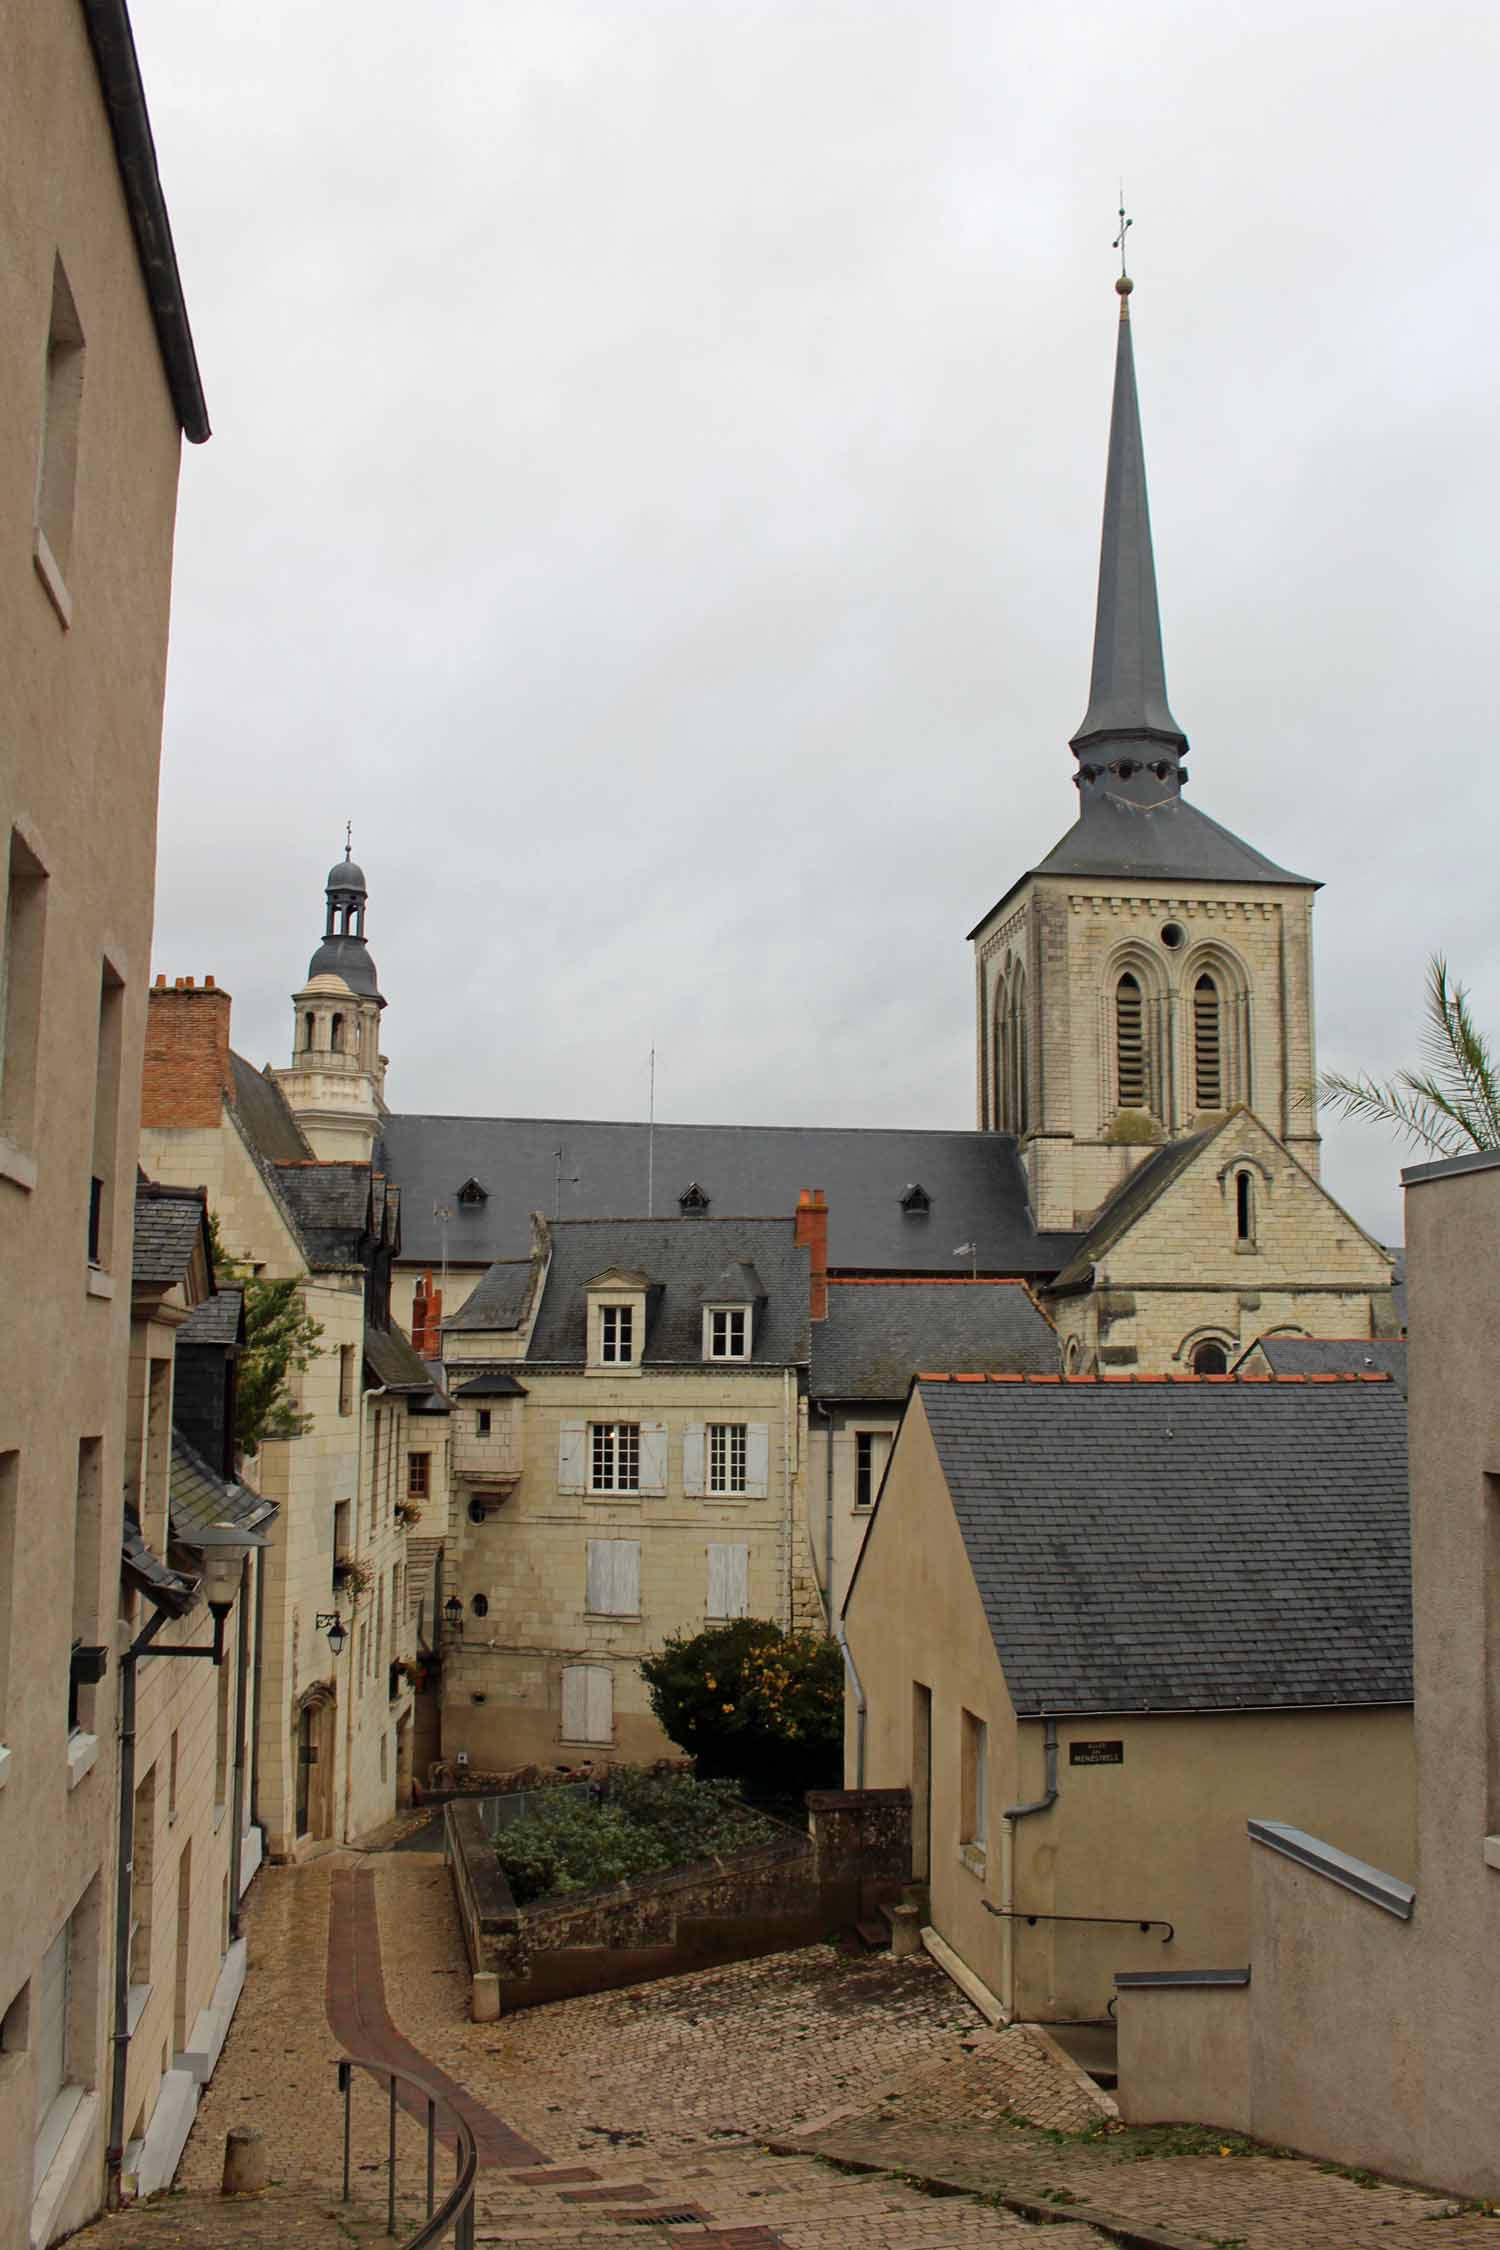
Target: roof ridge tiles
{"x": 1138, "y": 1381}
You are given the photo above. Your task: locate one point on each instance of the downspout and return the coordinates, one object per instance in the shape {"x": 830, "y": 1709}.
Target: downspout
{"x": 260, "y": 1644}
{"x": 237, "y": 1794}
{"x": 124, "y": 1871}
{"x": 376, "y": 1390}
{"x": 1011, "y": 1815}
{"x": 859, "y": 1708}
{"x": 786, "y": 1486}
{"x": 820, "y": 1408}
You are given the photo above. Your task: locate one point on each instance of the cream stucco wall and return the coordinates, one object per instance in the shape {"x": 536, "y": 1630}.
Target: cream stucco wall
{"x": 529, "y": 1557}
{"x": 1372, "y": 2039}
{"x": 80, "y": 733}
{"x": 1161, "y": 1834}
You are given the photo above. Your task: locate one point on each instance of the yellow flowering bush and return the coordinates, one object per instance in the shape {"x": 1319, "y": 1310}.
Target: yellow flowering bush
{"x": 753, "y": 1702}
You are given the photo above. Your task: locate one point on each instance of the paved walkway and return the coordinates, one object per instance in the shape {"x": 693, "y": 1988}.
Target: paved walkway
{"x": 808, "y": 2102}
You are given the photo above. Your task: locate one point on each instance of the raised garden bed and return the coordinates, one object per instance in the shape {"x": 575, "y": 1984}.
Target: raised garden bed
{"x": 638, "y": 1822}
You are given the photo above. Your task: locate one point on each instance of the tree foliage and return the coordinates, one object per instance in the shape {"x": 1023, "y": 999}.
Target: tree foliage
{"x": 748, "y": 1700}
{"x": 281, "y": 1339}
{"x": 642, "y": 1821}
{"x": 1451, "y": 1104}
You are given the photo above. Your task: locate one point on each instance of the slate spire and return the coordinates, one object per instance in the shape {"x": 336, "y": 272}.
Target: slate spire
{"x": 1129, "y": 743}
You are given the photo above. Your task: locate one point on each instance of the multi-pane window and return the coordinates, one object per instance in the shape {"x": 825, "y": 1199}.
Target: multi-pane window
{"x": 615, "y": 1456}
{"x": 871, "y": 1448}
{"x": 617, "y": 1335}
{"x": 726, "y": 1456}
{"x": 418, "y": 1471}
{"x": 729, "y": 1333}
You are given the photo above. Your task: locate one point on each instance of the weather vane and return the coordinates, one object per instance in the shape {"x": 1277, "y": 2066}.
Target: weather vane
{"x": 348, "y": 839}
{"x": 1125, "y": 227}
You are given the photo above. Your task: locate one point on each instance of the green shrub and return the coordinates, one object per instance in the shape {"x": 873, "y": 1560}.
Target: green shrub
{"x": 642, "y": 1823}
{"x": 752, "y": 1702}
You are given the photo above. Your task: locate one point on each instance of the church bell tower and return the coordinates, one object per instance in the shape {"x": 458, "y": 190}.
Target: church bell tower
{"x": 336, "y": 1083}
{"x": 1153, "y": 972}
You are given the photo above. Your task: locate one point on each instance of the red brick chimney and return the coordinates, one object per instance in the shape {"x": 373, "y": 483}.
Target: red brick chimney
{"x": 427, "y": 1318}
{"x": 187, "y": 1054}
{"x": 812, "y": 1235}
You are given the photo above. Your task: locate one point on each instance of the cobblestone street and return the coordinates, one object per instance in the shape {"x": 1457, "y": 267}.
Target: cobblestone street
{"x": 812, "y": 2100}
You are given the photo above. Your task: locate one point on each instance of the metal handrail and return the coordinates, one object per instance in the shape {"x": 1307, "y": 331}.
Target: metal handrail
{"x": 455, "y": 2213}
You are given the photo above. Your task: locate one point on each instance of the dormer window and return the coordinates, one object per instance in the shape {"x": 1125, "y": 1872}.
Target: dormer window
{"x": 728, "y": 1332}
{"x": 692, "y": 1202}
{"x": 472, "y": 1193}
{"x": 617, "y": 1335}
{"x": 916, "y": 1201}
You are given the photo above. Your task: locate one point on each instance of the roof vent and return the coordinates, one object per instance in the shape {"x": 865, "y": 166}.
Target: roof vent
{"x": 692, "y": 1200}
{"x": 472, "y": 1193}
{"x": 916, "y": 1200}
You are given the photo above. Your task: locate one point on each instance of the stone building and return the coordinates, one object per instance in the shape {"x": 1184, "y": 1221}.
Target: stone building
{"x": 98, "y": 387}
{"x": 628, "y": 1461}
{"x": 335, "y": 1739}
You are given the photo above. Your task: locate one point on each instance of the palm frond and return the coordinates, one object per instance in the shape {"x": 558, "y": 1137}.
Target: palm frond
{"x": 1459, "y": 1057}
{"x": 1409, "y": 1109}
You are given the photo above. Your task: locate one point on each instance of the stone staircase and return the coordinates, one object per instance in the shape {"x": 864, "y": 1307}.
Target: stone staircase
{"x": 742, "y": 2197}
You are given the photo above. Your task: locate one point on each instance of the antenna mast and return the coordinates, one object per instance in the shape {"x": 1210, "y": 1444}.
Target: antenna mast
{"x": 651, "y": 1143}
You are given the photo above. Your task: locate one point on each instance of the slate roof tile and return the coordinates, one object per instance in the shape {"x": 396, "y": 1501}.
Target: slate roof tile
{"x": 169, "y": 1223}
{"x": 878, "y": 1334}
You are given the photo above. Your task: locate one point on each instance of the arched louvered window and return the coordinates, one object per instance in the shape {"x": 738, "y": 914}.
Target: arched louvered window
{"x": 1208, "y": 1045}
{"x": 307, "y": 1030}
{"x": 336, "y": 1032}
{"x": 1130, "y": 1044}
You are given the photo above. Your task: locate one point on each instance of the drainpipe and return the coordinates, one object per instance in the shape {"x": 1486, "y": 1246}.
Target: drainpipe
{"x": 859, "y": 1706}
{"x": 260, "y": 1644}
{"x": 786, "y": 1486}
{"x": 1011, "y": 1815}
{"x": 819, "y": 1408}
{"x": 376, "y": 1390}
{"x": 237, "y": 1794}
{"x": 124, "y": 1870}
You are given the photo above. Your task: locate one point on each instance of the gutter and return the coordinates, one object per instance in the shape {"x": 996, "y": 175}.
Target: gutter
{"x": 119, "y": 71}
{"x": 859, "y": 1705}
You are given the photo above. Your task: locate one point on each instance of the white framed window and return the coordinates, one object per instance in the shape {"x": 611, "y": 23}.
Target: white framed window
{"x": 614, "y": 1457}
{"x": 728, "y": 1581}
{"x": 727, "y": 1332}
{"x": 617, "y": 1335}
{"x": 975, "y": 1811}
{"x": 588, "y": 1703}
{"x": 614, "y": 1578}
{"x": 726, "y": 1456}
{"x": 871, "y": 1452}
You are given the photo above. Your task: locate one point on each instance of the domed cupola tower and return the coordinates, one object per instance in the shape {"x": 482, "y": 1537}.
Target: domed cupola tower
{"x": 336, "y": 1083}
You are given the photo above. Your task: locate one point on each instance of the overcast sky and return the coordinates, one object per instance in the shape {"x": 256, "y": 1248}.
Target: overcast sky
{"x": 655, "y": 495}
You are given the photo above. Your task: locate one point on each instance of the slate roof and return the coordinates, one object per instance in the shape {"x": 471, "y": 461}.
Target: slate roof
{"x": 266, "y": 1115}
{"x": 199, "y": 1501}
{"x": 496, "y": 1382}
{"x": 975, "y": 1180}
{"x": 393, "y": 1361}
{"x": 879, "y": 1334}
{"x": 684, "y": 1258}
{"x": 220, "y": 1319}
{"x": 1336, "y": 1355}
{"x": 1129, "y": 1201}
{"x": 331, "y": 1202}
{"x": 1184, "y": 1545}
{"x": 170, "y": 1222}
{"x": 145, "y": 1573}
{"x": 498, "y": 1298}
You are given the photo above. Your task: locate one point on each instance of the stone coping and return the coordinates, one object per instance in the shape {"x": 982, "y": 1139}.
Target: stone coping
{"x": 1372, "y": 1883}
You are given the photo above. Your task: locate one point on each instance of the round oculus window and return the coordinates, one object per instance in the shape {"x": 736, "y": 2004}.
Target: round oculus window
{"x": 480, "y": 1605}
{"x": 1173, "y": 934}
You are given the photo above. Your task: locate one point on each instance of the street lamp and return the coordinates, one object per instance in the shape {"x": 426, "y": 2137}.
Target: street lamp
{"x": 330, "y": 1622}
{"x": 453, "y": 1610}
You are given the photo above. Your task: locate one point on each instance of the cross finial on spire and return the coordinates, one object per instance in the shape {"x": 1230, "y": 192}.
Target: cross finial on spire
{"x": 348, "y": 839}
{"x": 1124, "y": 285}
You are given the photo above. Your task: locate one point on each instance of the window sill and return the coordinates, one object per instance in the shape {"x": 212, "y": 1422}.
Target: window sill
{"x": 49, "y": 570}
{"x": 83, "y": 1756}
{"x": 97, "y": 1283}
{"x": 219, "y": 1812}
{"x": 1246, "y": 1249}
{"x": 612, "y": 1616}
{"x": 16, "y": 1166}
{"x": 135, "y": 2005}
{"x": 1491, "y": 1848}
{"x": 974, "y": 1858}
{"x": 581, "y": 1742}
{"x": 619, "y": 1495}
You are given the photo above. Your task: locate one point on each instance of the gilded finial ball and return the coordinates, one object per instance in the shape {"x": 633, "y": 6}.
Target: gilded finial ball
{"x": 1124, "y": 285}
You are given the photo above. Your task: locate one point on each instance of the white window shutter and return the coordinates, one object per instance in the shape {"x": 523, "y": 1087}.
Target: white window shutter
{"x": 614, "y": 1577}
{"x": 596, "y": 1599}
{"x": 575, "y": 1708}
{"x": 653, "y": 1475}
{"x": 757, "y": 1459}
{"x": 599, "y": 1724}
{"x": 694, "y": 1474}
{"x": 728, "y": 1581}
{"x": 572, "y": 1446}
{"x": 627, "y": 1577}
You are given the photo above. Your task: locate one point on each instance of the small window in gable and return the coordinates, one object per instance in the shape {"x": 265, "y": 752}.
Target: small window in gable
{"x": 692, "y": 1202}
{"x": 916, "y": 1202}
{"x": 728, "y": 1332}
{"x": 1244, "y": 1211}
{"x": 473, "y": 1194}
